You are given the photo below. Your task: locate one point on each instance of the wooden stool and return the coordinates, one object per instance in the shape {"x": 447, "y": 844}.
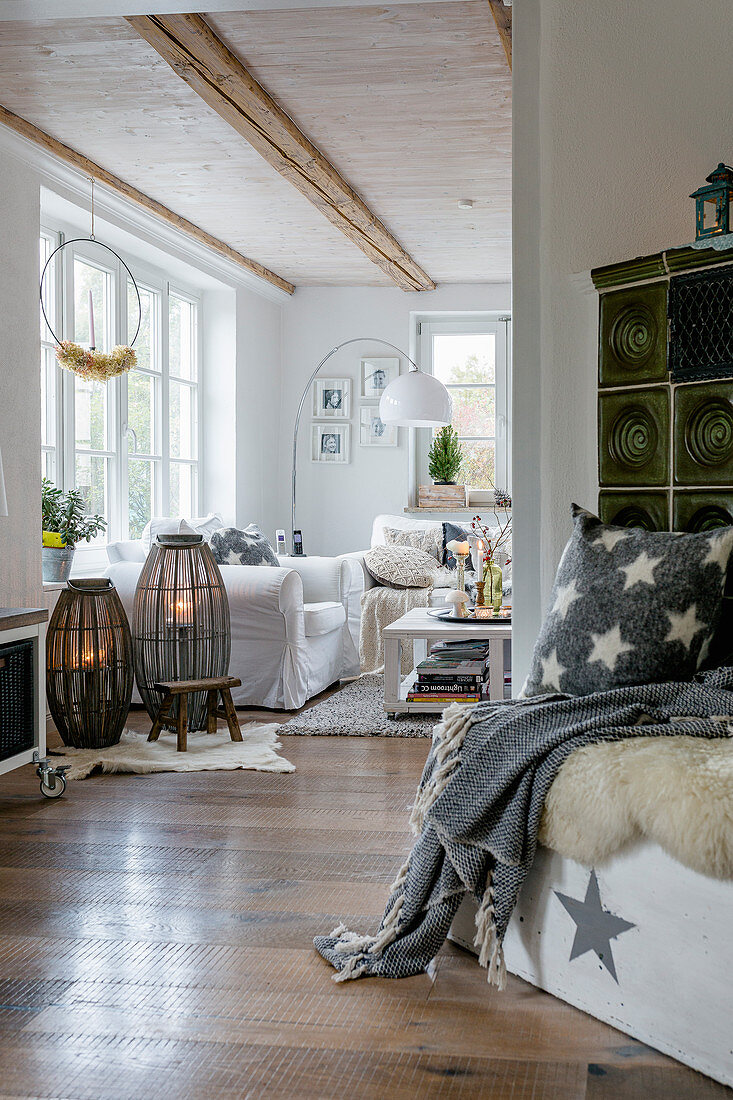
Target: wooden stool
{"x": 213, "y": 686}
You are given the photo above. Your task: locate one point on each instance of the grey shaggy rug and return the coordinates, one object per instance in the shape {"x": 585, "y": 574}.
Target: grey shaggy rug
{"x": 357, "y": 711}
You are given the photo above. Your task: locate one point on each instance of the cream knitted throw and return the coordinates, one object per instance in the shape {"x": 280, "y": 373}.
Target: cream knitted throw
{"x": 379, "y": 608}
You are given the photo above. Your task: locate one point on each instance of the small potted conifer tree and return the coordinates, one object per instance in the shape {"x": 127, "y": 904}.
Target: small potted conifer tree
{"x": 444, "y": 464}
{"x": 64, "y": 524}
{"x": 445, "y": 456}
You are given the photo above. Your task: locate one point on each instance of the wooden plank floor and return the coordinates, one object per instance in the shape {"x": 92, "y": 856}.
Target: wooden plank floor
{"x": 155, "y": 941}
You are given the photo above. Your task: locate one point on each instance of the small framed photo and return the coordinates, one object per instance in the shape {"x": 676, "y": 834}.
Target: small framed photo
{"x": 331, "y": 443}
{"x": 376, "y": 375}
{"x": 332, "y": 397}
{"x": 373, "y": 432}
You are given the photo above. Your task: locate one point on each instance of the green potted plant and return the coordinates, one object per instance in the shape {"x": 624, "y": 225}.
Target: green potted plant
{"x": 65, "y": 523}
{"x": 445, "y": 456}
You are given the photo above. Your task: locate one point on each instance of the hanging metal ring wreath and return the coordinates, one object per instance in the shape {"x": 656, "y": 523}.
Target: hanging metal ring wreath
{"x": 89, "y": 362}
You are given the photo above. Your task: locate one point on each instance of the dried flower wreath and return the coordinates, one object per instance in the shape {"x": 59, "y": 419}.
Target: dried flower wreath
{"x": 98, "y": 365}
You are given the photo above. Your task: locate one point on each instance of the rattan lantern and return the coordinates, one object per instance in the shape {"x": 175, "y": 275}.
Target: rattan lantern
{"x": 89, "y": 664}
{"x": 181, "y": 627}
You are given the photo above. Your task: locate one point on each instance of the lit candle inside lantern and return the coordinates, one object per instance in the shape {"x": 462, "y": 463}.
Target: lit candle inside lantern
{"x": 92, "y": 655}
{"x": 180, "y": 621}
{"x": 92, "y": 342}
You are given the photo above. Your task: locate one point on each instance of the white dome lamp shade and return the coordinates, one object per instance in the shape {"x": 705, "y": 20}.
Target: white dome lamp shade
{"x": 416, "y": 400}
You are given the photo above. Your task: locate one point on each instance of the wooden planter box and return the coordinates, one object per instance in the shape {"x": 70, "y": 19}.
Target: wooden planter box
{"x": 441, "y": 496}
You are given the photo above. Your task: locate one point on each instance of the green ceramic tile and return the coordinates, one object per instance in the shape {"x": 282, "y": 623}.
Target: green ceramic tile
{"x": 703, "y": 434}
{"x": 633, "y": 435}
{"x": 702, "y": 511}
{"x": 647, "y": 510}
{"x": 633, "y": 336}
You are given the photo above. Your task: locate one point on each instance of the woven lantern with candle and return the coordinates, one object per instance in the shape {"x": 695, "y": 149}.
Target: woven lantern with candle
{"x": 181, "y": 627}
{"x": 89, "y": 664}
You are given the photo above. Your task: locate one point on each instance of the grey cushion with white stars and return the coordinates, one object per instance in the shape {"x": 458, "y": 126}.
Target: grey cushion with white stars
{"x": 629, "y": 607}
{"x": 249, "y": 547}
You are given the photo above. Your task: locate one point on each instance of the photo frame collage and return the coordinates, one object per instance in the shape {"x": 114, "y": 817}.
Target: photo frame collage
{"x": 331, "y": 430}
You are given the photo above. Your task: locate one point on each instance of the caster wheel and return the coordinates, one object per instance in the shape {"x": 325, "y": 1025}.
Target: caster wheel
{"x": 55, "y": 786}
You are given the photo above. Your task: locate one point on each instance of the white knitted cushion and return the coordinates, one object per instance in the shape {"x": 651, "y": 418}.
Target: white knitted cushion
{"x": 401, "y": 566}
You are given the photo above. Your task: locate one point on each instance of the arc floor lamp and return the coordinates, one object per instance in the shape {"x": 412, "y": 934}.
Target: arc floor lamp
{"x": 412, "y": 400}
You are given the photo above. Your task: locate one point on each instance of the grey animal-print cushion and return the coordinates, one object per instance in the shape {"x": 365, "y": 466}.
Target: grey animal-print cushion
{"x": 629, "y": 606}
{"x": 401, "y": 566}
{"x": 249, "y": 547}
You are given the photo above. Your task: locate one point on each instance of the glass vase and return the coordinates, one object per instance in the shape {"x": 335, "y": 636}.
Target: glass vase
{"x": 492, "y": 586}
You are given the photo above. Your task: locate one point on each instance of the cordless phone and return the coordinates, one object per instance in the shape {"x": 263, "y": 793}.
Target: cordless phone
{"x": 298, "y": 544}
{"x": 281, "y": 544}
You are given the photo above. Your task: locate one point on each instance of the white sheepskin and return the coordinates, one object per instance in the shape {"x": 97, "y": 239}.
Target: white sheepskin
{"x": 206, "y": 752}
{"x": 677, "y": 791}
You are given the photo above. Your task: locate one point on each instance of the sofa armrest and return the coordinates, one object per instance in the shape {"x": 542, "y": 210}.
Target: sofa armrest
{"x": 324, "y": 579}
{"x": 359, "y": 571}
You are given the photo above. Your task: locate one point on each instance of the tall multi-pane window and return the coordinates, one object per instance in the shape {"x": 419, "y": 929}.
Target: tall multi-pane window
{"x": 131, "y": 444}
{"x": 470, "y": 359}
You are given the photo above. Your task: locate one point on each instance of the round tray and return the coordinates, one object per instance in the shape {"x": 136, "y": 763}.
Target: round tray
{"x": 449, "y": 616}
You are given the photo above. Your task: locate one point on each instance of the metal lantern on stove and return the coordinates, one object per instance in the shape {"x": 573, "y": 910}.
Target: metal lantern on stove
{"x": 713, "y": 203}
{"x": 89, "y": 664}
{"x": 181, "y": 628}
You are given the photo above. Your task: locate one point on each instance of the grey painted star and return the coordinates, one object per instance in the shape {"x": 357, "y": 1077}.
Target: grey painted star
{"x": 684, "y": 627}
{"x": 233, "y": 558}
{"x": 640, "y": 570}
{"x": 565, "y": 597}
{"x": 609, "y": 538}
{"x": 595, "y": 926}
{"x": 608, "y": 647}
{"x": 552, "y": 670}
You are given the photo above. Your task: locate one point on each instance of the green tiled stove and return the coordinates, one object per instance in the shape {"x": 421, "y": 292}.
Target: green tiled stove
{"x": 665, "y": 381}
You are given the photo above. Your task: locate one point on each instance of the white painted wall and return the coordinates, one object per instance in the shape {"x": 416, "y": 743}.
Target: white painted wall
{"x": 241, "y": 407}
{"x": 618, "y": 115}
{"x": 20, "y": 399}
{"x": 258, "y": 410}
{"x": 337, "y": 503}
{"x": 219, "y": 405}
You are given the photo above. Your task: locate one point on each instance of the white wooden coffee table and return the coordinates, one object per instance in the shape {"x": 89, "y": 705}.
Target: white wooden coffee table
{"x": 422, "y": 629}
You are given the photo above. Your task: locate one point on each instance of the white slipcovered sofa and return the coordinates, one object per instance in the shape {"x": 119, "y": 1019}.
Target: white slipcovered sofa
{"x": 290, "y": 631}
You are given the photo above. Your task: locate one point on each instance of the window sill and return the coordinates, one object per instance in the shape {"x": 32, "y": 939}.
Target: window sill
{"x": 474, "y": 510}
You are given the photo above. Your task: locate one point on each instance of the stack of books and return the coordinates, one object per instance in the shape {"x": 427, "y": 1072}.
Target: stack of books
{"x": 454, "y": 672}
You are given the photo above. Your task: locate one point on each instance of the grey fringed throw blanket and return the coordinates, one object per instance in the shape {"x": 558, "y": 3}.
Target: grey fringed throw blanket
{"x": 478, "y": 808}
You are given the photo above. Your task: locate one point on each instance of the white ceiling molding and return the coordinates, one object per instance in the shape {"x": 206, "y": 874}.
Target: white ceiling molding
{"x": 74, "y": 186}
{"x": 85, "y": 9}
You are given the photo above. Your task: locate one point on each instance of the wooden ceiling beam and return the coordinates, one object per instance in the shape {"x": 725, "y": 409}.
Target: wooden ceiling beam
{"x": 89, "y": 168}
{"x": 188, "y": 44}
{"x": 502, "y": 14}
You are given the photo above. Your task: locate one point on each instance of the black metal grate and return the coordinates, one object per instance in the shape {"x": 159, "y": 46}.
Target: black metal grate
{"x": 701, "y": 326}
{"x": 17, "y": 720}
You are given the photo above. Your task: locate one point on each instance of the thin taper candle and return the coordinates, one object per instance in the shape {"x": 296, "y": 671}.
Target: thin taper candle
{"x": 92, "y": 342}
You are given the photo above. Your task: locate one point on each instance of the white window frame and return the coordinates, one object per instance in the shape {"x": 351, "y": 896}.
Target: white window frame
{"x": 119, "y": 451}
{"x": 500, "y": 326}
